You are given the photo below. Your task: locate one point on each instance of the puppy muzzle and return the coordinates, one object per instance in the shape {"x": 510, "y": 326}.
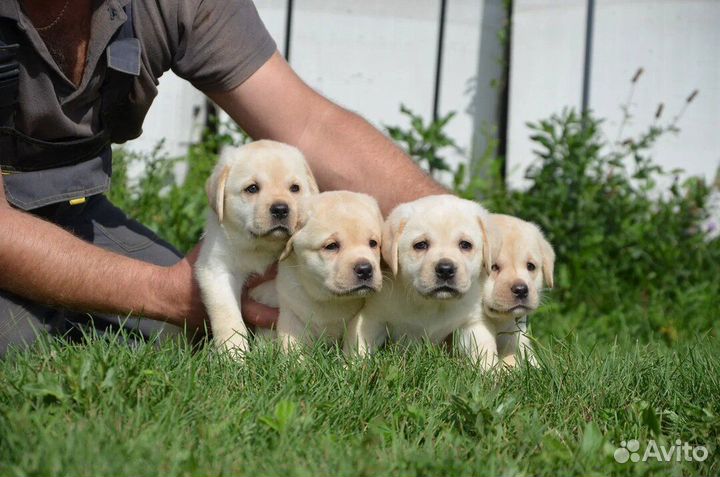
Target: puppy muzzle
{"x": 359, "y": 291}
{"x": 514, "y": 311}
{"x": 443, "y": 291}
{"x": 276, "y": 232}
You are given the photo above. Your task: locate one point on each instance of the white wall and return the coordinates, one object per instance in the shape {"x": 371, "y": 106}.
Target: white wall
{"x": 676, "y": 43}
{"x": 367, "y": 56}
{"x": 371, "y": 56}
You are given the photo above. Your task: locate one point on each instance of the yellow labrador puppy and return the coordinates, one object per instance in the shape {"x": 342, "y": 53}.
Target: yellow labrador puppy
{"x": 522, "y": 260}
{"x": 328, "y": 267}
{"x": 254, "y": 192}
{"x": 436, "y": 248}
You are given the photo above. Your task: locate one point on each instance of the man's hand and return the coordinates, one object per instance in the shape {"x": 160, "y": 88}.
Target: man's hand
{"x": 189, "y": 304}
{"x": 190, "y": 310}
{"x": 256, "y": 313}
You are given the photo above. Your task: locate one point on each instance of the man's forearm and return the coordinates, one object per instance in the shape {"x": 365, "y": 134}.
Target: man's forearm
{"x": 43, "y": 262}
{"x": 346, "y": 152}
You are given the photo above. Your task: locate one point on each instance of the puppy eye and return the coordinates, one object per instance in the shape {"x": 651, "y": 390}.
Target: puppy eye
{"x": 332, "y": 246}
{"x": 373, "y": 243}
{"x": 252, "y": 189}
{"x": 531, "y": 266}
{"x": 495, "y": 267}
{"x": 294, "y": 188}
{"x": 422, "y": 245}
{"x": 465, "y": 245}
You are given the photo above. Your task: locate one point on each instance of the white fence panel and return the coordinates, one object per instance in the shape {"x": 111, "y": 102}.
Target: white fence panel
{"x": 675, "y": 41}
{"x": 367, "y": 56}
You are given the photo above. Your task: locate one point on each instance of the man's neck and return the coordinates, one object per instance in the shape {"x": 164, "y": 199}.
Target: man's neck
{"x": 64, "y": 26}
{"x": 45, "y": 12}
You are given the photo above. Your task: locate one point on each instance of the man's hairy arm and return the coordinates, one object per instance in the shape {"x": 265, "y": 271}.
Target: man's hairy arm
{"x": 344, "y": 150}
{"x": 45, "y": 263}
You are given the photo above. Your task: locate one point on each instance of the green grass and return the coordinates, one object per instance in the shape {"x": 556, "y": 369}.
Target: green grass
{"x": 103, "y": 408}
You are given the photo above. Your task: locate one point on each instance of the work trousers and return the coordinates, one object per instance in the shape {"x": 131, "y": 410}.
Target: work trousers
{"x": 99, "y": 222}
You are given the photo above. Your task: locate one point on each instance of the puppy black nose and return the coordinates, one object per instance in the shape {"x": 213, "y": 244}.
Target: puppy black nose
{"x": 363, "y": 270}
{"x": 520, "y": 290}
{"x": 279, "y": 210}
{"x": 445, "y": 270}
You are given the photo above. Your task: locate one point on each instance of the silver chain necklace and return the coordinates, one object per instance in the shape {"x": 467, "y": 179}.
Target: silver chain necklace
{"x": 57, "y": 19}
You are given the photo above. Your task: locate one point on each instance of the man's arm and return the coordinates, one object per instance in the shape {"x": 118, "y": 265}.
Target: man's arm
{"x": 45, "y": 263}
{"x": 344, "y": 150}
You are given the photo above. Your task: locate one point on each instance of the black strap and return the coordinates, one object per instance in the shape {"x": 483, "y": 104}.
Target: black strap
{"x": 120, "y": 75}
{"x": 9, "y": 71}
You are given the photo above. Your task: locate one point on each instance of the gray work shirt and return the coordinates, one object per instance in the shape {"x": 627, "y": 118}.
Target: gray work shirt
{"x": 214, "y": 44}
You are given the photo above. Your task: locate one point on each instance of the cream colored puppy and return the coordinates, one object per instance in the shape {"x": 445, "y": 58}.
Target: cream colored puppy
{"x": 254, "y": 192}
{"x": 328, "y": 267}
{"x": 436, "y": 248}
{"x": 522, "y": 260}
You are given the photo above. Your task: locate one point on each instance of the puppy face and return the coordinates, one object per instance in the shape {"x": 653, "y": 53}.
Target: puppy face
{"x": 256, "y": 188}
{"x": 338, "y": 245}
{"x": 522, "y": 259}
{"x": 438, "y": 244}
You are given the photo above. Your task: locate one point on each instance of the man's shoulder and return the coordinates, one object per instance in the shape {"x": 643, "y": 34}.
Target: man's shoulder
{"x": 215, "y": 44}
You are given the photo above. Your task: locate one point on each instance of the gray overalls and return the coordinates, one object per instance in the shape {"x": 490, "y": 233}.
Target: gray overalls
{"x": 64, "y": 181}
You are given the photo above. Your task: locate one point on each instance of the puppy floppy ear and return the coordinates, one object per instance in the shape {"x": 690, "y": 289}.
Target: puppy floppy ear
{"x": 548, "y": 261}
{"x": 392, "y": 230}
{"x": 314, "y": 189}
{"x": 287, "y": 250}
{"x": 304, "y": 206}
{"x": 487, "y": 254}
{"x": 215, "y": 188}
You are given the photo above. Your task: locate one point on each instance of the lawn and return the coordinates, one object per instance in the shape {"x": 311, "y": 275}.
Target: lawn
{"x": 103, "y": 408}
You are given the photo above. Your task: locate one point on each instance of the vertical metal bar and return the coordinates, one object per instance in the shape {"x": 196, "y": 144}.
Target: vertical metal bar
{"x": 438, "y": 61}
{"x": 288, "y": 29}
{"x": 504, "y": 93}
{"x": 587, "y": 69}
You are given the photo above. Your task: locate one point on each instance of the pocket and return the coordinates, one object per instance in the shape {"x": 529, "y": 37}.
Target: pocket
{"x": 116, "y": 231}
{"x": 122, "y": 236}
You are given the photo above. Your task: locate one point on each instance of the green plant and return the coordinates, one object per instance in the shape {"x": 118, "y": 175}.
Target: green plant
{"x": 618, "y": 232}
{"x": 424, "y": 143}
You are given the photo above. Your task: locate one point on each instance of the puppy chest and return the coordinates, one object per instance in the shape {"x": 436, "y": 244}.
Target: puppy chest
{"x": 328, "y": 319}
{"x": 420, "y": 329}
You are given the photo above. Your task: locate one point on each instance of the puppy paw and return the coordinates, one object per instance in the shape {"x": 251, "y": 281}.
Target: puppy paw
{"x": 486, "y": 361}
{"x": 236, "y": 346}
{"x": 510, "y": 361}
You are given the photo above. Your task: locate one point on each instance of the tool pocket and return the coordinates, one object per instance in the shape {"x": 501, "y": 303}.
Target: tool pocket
{"x": 116, "y": 231}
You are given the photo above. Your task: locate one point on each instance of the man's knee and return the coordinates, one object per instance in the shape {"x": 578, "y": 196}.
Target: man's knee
{"x": 22, "y": 322}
